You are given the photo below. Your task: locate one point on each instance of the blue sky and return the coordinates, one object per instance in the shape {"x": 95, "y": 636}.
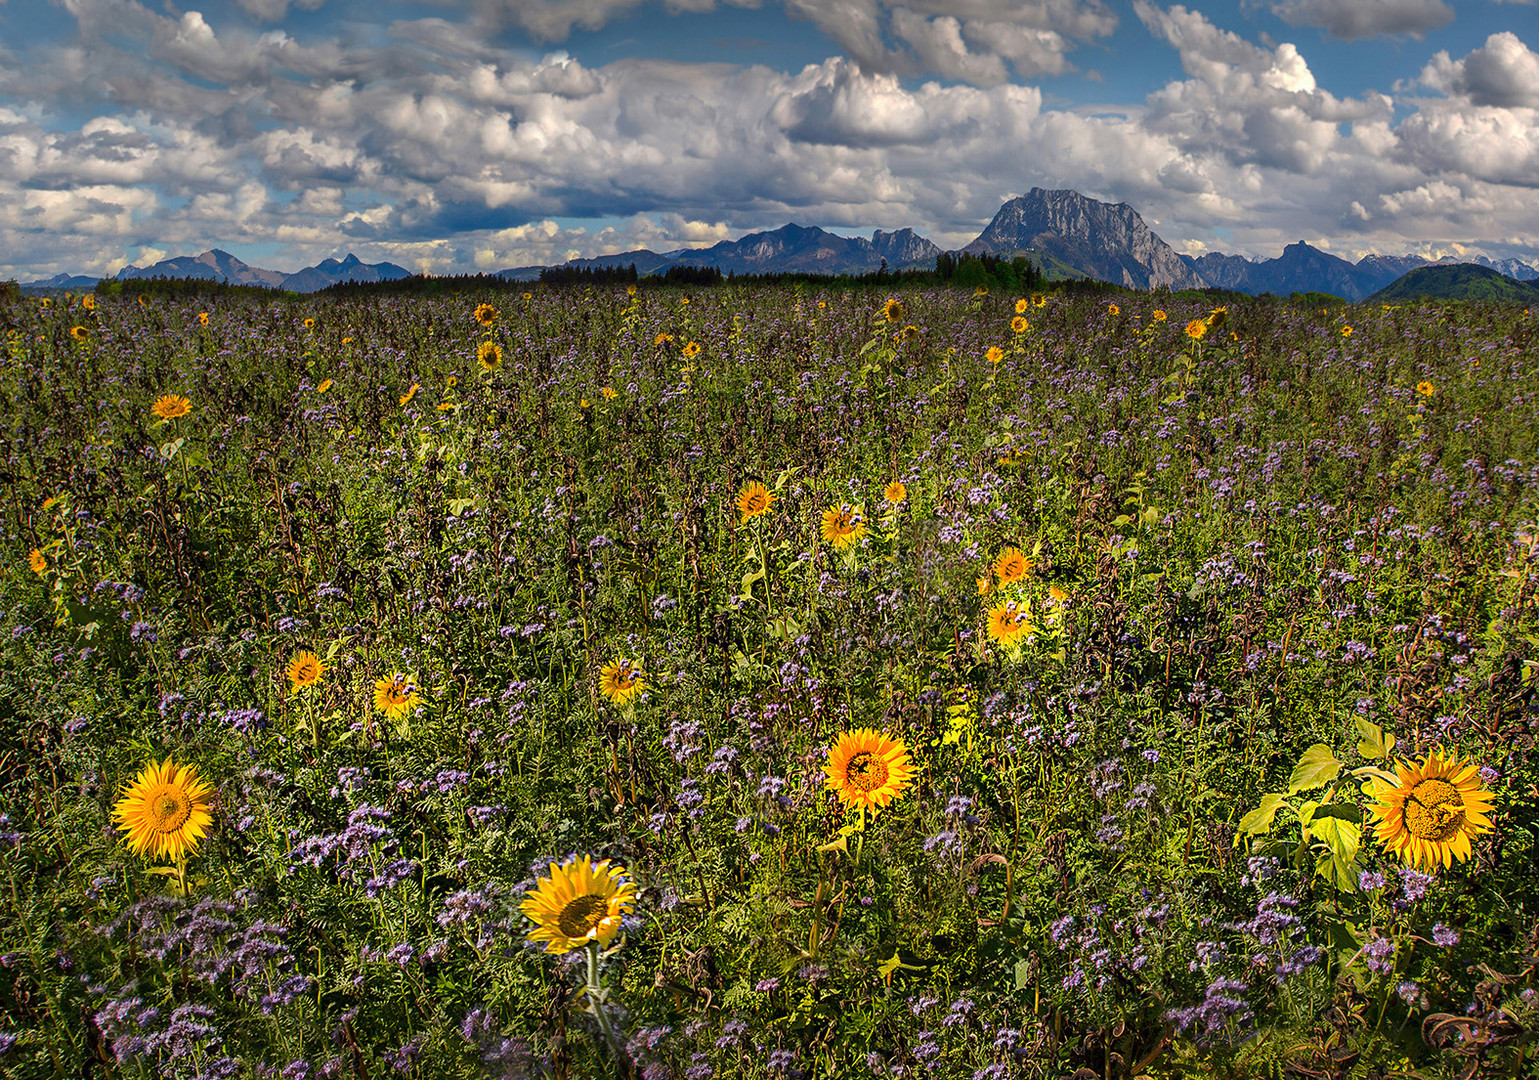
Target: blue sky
{"x": 454, "y": 137}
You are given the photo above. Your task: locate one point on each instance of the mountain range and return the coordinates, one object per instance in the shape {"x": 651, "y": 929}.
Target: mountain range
{"x": 1065, "y": 233}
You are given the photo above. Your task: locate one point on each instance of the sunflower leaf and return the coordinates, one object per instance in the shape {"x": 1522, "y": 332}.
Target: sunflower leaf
{"x": 1316, "y": 768}
{"x": 1259, "y": 820}
{"x": 1375, "y": 743}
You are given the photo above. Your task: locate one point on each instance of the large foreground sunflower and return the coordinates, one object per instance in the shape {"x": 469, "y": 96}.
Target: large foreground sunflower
{"x": 396, "y": 696}
{"x": 165, "y": 810}
{"x": 868, "y": 770}
{"x": 581, "y": 901}
{"x": 1428, "y": 817}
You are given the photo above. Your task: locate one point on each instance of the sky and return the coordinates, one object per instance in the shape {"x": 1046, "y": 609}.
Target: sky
{"x": 457, "y": 137}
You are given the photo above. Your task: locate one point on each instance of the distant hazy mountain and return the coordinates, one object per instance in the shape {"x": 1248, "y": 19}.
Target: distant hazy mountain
{"x": 1459, "y": 281}
{"x": 212, "y": 265}
{"x": 221, "y": 266}
{"x": 60, "y": 281}
{"x": 1105, "y": 241}
{"x": 1302, "y": 268}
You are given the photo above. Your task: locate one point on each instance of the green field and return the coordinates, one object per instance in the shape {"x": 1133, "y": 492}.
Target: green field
{"x": 1148, "y": 616}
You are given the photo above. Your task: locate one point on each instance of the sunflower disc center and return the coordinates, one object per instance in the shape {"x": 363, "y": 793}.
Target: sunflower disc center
{"x": 866, "y": 771}
{"x": 168, "y": 810}
{"x": 580, "y": 916}
{"x": 1434, "y": 810}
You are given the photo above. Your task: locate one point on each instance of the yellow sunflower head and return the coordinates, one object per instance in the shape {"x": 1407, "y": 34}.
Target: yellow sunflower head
{"x": 1011, "y": 565}
{"x": 1425, "y": 388}
{"x": 1022, "y": 305}
{"x": 1113, "y": 309}
{"x": 842, "y": 526}
{"x": 1008, "y": 623}
{"x": 38, "y": 561}
{"x": 165, "y": 811}
{"x": 88, "y": 302}
{"x": 80, "y": 333}
{"x": 621, "y": 681}
{"x": 754, "y": 500}
{"x": 202, "y": 318}
{"x": 895, "y": 492}
{"x": 892, "y": 311}
{"x": 1019, "y": 324}
{"x": 985, "y": 584}
{"x": 1218, "y": 317}
{"x": 581, "y": 901}
{"x": 489, "y": 355}
{"x": 486, "y": 314}
{"x": 170, "y": 406}
{"x": 325, "y": 386}
{"x": 691, "y": 350}
{"x": 1429, "y": 815}
{"x": 406, "y": 397}
{"x": 1159, "y": 315}
{"x": 1196, "y": 329}
{"x": 397, "y": 695}
{"x": 994, "y": 355}
{"x": 304, "y": 670}
{"x": 609, "y": 392}
{"x": 663, "y": 339}
{"x": 1346, "y": 331}
{"x": 867, "y": 769}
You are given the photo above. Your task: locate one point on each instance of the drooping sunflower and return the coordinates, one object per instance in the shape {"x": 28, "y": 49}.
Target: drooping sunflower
{"x": 867, "y": 769}
{"x": 895, "y": 492}
{"x": 892, "y": 311}
{"x": 486, "y": 315}
{"x": 80, "y": 333}
{"x": 581, "y": 901}
{"x": 1011, "y": 565}
{"x": 170, "y": 406}
{"x": 1218, "y": 317}
{"x": 88, "y": 302}
{"x": 621, "y": 681}
{"x": 994, "y": 355}
{"x": 489, "y": 355}
{"x": 304, "y": 670}
{"x": 1008, "y": 623}
{"x": 843, "y": 526}
{"x": 38, "y": 561}
{"x": 753, "y": 500}
{"x": 165, "y": 811}
{"x": 1428, "y": 817}
{"x": 396, "y": 695}
{"x": 1196, "y": 329}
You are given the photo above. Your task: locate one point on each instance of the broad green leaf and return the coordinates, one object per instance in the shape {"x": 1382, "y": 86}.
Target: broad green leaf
{"x": 1316, "y": 768}
{"x": 1259, "y": 820}
{"x": 1342, "y": 838}
{"x": 1375, "y": 743}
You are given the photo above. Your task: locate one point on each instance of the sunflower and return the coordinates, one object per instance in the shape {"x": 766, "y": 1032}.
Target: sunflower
{"x": 1429, "y": 816}
{"x": 843, "y": 526}
{"x": 1159, "y": 315}
{"x": 580, "y": 902}
{"x": 663, "y": 339}
{"x": 170, "y": 406}
{"x": 1218, "y": 317}
{"x": 753, "y": 501}
{"x": 38, "y": 561}
{"x": 981, "y": 290}
{"x": 80, "y": 333}
{"x": 406, "y": 397}
{"x": 892, "y": 311}
{"x": 895, "y": 492}
{"x": 691, "y": 350}
{"x": 621, "y": 682}
{"x": 396, "y": 696}
{"x": 1019, "y": 324}
{"x": 489, "y": 355}
{"x": 867, "y": 769}
{"x": 164, "y": 811}
{"x": 1011, "y": 565}
{"x": 910, "y": 332}
{"x": 325, "y": 386}
{"x": 994, "y": 355}
{"x": 202, "y": 318}
{"x": 309, "y": 324}
{"x": 1196, "y": 329}
{"x": 1022, "y": 305}
{"x": 609, "y": 392}
{"x": 144, "y": 300}
{"x": 1008, "y": 623}
{"x": 1425, "y": 389}
{"x": 305, "y": 669}
{"x": 985, "y": 584}
{"x": 1113, "y": 309}
{"x": 1346, "y": 331}
{"x": 486, "y": 314}
{"x": 88, "y": 302}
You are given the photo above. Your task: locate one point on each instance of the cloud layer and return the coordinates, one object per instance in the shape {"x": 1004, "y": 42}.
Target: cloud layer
{"x": 432, "y": 145}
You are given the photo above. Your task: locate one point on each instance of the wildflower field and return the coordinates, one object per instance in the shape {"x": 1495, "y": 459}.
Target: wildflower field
{"x": 768, "y": 682}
